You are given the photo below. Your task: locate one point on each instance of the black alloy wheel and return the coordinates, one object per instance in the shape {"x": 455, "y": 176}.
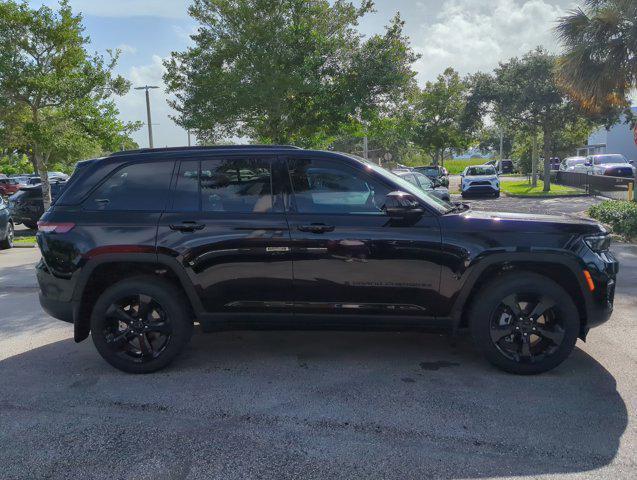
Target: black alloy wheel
{"x": 524, "y": 323}
{"x": 139, "y": 325}
{"x": 527, "y": 329}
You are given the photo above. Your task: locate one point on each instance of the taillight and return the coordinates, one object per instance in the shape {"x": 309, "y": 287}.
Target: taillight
{"x": 54, "y": 227}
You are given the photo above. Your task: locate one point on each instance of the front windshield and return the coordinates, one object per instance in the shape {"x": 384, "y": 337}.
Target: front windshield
{"x": 431, "y": 200}
{"x": 475, "y": 171}
{"x": 603, "y": 159}
{"x": 575, "y": 161}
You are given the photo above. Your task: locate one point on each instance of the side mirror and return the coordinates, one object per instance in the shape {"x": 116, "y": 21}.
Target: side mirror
{"x": 402, "y": 205}
{"x": 632, "y": 162}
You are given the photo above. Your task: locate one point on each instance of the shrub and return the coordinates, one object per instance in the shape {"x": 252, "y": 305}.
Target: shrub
{"x": 621, "y": 216}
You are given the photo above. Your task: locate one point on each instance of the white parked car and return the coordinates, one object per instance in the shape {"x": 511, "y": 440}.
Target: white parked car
{"x": 480, "y": 179}
{"x": 610, "y": 164}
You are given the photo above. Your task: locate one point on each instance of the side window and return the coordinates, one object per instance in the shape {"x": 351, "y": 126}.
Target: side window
{"x": 186, "y": 193}
{"x": 137, "y": 187}
{"x": 411, "y": 179}
{"x": 323, "y": 186}
{"x": 238, "y": 185}
{"x": 424, "y": 181}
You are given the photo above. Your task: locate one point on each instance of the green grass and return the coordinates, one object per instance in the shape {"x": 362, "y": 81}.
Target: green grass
{"x": 25, "y": 240}
{"x": 524, "y": 188}
{"x": 456, "y": 167}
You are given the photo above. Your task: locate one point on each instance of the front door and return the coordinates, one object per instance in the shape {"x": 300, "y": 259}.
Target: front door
{"x": 349, "y": 256}
{"x": 227, "y": 227}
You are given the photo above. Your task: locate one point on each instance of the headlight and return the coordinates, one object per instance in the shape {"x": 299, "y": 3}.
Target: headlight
{"x": 598, "y": 243}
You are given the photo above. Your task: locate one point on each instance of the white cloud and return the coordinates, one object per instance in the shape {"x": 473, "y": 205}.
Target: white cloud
{"x": 126, "y": 49}
{"x": 130, "y": 8}
{"x": 473, "y": 35}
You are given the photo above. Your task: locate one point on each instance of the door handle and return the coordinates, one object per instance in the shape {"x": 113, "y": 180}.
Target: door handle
{"x": 187, "y": 226}
{"x": 316, "y": 228}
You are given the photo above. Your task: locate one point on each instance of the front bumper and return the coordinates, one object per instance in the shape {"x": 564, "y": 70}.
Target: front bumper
{"x": 603, "y": 268}
{"x": 57, "y": 308}
{"x": 480, "y": 189}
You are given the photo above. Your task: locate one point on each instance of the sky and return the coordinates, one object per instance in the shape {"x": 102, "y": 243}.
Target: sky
{"x": 468, "y": 35}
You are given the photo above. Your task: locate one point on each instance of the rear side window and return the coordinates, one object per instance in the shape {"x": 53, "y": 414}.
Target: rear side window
{"x": 228, "y": 185}
{"x": 138, "y": 187}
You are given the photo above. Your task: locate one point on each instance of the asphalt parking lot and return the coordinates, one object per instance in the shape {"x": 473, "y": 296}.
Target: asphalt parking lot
{"x": 289, "y": 405}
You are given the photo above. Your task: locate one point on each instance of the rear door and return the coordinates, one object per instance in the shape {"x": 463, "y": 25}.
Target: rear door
{"x": 227, "y": 228}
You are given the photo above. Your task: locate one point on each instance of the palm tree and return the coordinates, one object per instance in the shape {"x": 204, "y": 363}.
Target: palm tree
{"x": 599, "y": 64}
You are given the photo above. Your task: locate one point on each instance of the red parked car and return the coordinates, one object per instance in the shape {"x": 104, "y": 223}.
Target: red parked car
{"x": 8, "y": 186}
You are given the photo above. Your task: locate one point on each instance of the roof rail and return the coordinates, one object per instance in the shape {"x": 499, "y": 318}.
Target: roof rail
{"x": 209, "y": 147}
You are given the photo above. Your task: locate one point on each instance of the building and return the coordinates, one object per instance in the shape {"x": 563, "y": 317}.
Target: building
{"x": 619, "y": 139}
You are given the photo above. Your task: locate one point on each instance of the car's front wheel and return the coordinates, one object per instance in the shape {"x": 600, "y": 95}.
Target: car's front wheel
{"x": 8, "y": 239}
{"x": 524, "y": 323}
{"x": 140, "y": 325}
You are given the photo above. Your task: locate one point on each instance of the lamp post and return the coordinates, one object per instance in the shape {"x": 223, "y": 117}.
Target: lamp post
{"x": 150, "y": 124}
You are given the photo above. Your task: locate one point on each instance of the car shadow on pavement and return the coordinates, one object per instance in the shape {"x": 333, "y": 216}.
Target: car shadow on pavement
{"x": 328, "y": 404}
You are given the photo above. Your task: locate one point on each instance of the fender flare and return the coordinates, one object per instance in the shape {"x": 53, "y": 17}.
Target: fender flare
{"x": 481, "y": 264}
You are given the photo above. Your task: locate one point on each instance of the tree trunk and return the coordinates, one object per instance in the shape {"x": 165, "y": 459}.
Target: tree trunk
{"x": 44, "y": 178}
{"x": 534, "y": 162}
{"x": 547, "y": 161}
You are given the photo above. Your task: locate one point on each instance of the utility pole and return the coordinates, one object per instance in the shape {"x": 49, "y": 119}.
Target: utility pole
{"x": 365, "y": 148}
{"x": 501, "y": 144}
{"x": 150, "y": 123}
{"x": 189, "y": 138}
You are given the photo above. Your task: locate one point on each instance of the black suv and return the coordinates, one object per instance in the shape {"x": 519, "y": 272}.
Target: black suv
{"x": 141, "y": 245}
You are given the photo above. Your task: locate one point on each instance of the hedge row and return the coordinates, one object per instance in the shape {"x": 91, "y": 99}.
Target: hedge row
{"x": 621, "y": 216}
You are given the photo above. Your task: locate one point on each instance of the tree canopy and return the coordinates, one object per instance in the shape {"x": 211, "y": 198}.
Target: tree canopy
{"x": 57, "y": 97}
{"x": 285, "y": 71}
{"x": 439, "y": 115}
{"x": 599, "y": 63}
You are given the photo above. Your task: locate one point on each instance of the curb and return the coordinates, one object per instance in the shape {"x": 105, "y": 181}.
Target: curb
{"x": 24, "y": 245}
{"x": 573, "y": 195}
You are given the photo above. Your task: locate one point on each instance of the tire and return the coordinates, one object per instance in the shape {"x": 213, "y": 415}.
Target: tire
{"x": 8, "y": 239}
{"x": 538, "y": 351}
{"x": 497, "y": 195}
{"x": 144, "y": 343}
{"x": 30, "y": 225}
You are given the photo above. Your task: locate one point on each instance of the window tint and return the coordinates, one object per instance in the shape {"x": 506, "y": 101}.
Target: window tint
{"x": 410, "y": 178}
{"x": 138, "y": 187}
{"x": 240, "y": 185}
{"x": 186, "y": 194}
{"x": 322, "y": 186}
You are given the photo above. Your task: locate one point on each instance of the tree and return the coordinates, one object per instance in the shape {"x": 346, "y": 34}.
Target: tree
{"x": 66, "y": 93}
{"x": 524, "y": 93}
{"x": 439, "y": 113}
{"x": 599, "y": 63}
{"x": 284, "y": 71}
{"x": 489, "y": 141}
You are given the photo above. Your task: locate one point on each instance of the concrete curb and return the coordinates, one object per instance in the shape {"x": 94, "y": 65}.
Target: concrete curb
{"x": 574, "y": 195}
{"x": 24, "y": 245}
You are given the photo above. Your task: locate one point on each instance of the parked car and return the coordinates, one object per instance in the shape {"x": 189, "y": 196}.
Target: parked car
{"x": 438, "y": 175}
{"x": 505, "y": 166}
{"x": 569, "y": 164}
{"x": 26, "y": 204}
{"x": 422, "y": 181}
{"x": 141, "y": 244}
{"x": 6, "y": 226}
{"x": 480, "y": 179}
{"x": 502, "y": 166}
{"x": 609, "y": 164}
{"x": 8, "y": 186}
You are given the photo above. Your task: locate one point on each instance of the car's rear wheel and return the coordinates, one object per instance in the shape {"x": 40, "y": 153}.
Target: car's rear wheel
{"x": 524, "y": 323}
{"x": 140, "y": 325}
{"x": 7, "y": 242}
